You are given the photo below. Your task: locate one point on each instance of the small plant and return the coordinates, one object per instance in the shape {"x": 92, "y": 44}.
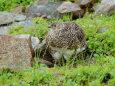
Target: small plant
{"x": 38, "y": 30}
{"x": 10, "y": 4}
{"x": 101, "y": 49}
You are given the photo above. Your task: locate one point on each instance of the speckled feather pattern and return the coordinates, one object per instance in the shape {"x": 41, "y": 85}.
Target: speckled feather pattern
{"x": 64, "y": 39}
{"x": 65, "y": 35}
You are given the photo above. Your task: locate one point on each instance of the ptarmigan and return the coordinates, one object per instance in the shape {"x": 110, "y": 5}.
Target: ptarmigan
{"x": 64, "y": 39}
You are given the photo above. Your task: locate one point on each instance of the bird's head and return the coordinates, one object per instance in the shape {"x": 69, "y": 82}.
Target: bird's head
{"x": 54, "y": 25}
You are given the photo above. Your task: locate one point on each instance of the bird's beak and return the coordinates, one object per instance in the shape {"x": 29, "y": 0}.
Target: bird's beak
{"x": 49, "y": 27}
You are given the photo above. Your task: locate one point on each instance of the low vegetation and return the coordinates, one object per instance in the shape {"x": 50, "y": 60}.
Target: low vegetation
{"x": 98, "y": 68}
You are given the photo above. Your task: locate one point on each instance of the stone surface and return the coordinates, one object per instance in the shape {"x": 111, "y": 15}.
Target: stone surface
{"x": 19, "y": 10}
{"x": 15, "y": 53}
{"x": 34, "y": 40}
{"x": 28, "y": 38}
{"x": 58, "y": 75}
{"x": 67, "y": 7}
{"x": 24, "y": 36}
{"x": 35, "y": 43}
{"x": 25, "y": 24}
{"x": 106, "y": 7}
{"x": 4, "y": 30}
{"x": 48, "y": 63}
{"x": 7, "y": 18}
{"x": 85, "y": 2}
{"x": 18, "y": 17}
{"x": 47, "y": 10}
{"x": 86, "y": 5}
{"x": 41, "y": 2}
{"x": 6, "y": 85}
{"x": 102, "y": 30}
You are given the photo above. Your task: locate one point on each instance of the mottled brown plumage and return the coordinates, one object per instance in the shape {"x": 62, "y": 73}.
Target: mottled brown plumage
{"x": 64, "y": 38}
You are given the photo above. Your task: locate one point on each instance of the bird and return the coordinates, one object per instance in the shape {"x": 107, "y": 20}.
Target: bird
{"x": 65, "y": 39}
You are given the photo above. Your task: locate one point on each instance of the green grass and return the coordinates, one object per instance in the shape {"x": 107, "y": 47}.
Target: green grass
{"x": 11, "y": 4}
{"x": 101, "y": 51}
{"x": 99, "y": 74}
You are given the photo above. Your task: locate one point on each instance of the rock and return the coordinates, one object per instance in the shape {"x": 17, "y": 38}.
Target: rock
{"x": 28, "y": 38}
{"x": 106, "y": 7}
{"x": 41, "y": 2}
{"x": 4, "y": 30}
{"x": 93, "y": 61}
{"x": 86, "y": 5}
{"x": 15, "y": 53}
{"x": 25, "y": 24}
{"x": 79, "y": 14}
{"x": 7, "y": 18}
{"x": 24, "y": 36}
{"x": 35, "y": 43}
{"x": 48, "y": 63}
{"x": 44, "y": 68}
{"x": 19, "y": 18}
{"x": 102, "y": 30}
{"x": 6, "y": 85}
{"x": 19, "y": 10}
{"x": 69, "y": 7}
{"x": 58, "y": 75}
{"x": 34, "y": 40}
{"x": 47, "y": 10}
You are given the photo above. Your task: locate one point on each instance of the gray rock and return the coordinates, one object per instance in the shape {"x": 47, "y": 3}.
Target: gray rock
{"x": 7, "y": 18}
{"x": 58, "y": 75}
{"x": 49, "y": 9}
{"x": 28, "y": 23}
{"x": 73, "y": 8}
{"x": 28, "y": 38}
{"x": 24, "y": 36}
{"x": 42, "y": 61}
{"x": 85, "y": 2}
{"x": 15, "y": 53}
{"x": 19, "y": 17}
{"x": 25, "y": 24}
{"x": 35, "y": 43}
{"x": 102, "y": 30}
{"x": 20, "y": 10}
{"x": 86, "y": 5}
{"x": 4, "y": 30}
{"x": 41, "y": 2}
{"x": 67, "y": 7}
{"x": 106, "y": 7}
{"x": 6, "y": 85}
